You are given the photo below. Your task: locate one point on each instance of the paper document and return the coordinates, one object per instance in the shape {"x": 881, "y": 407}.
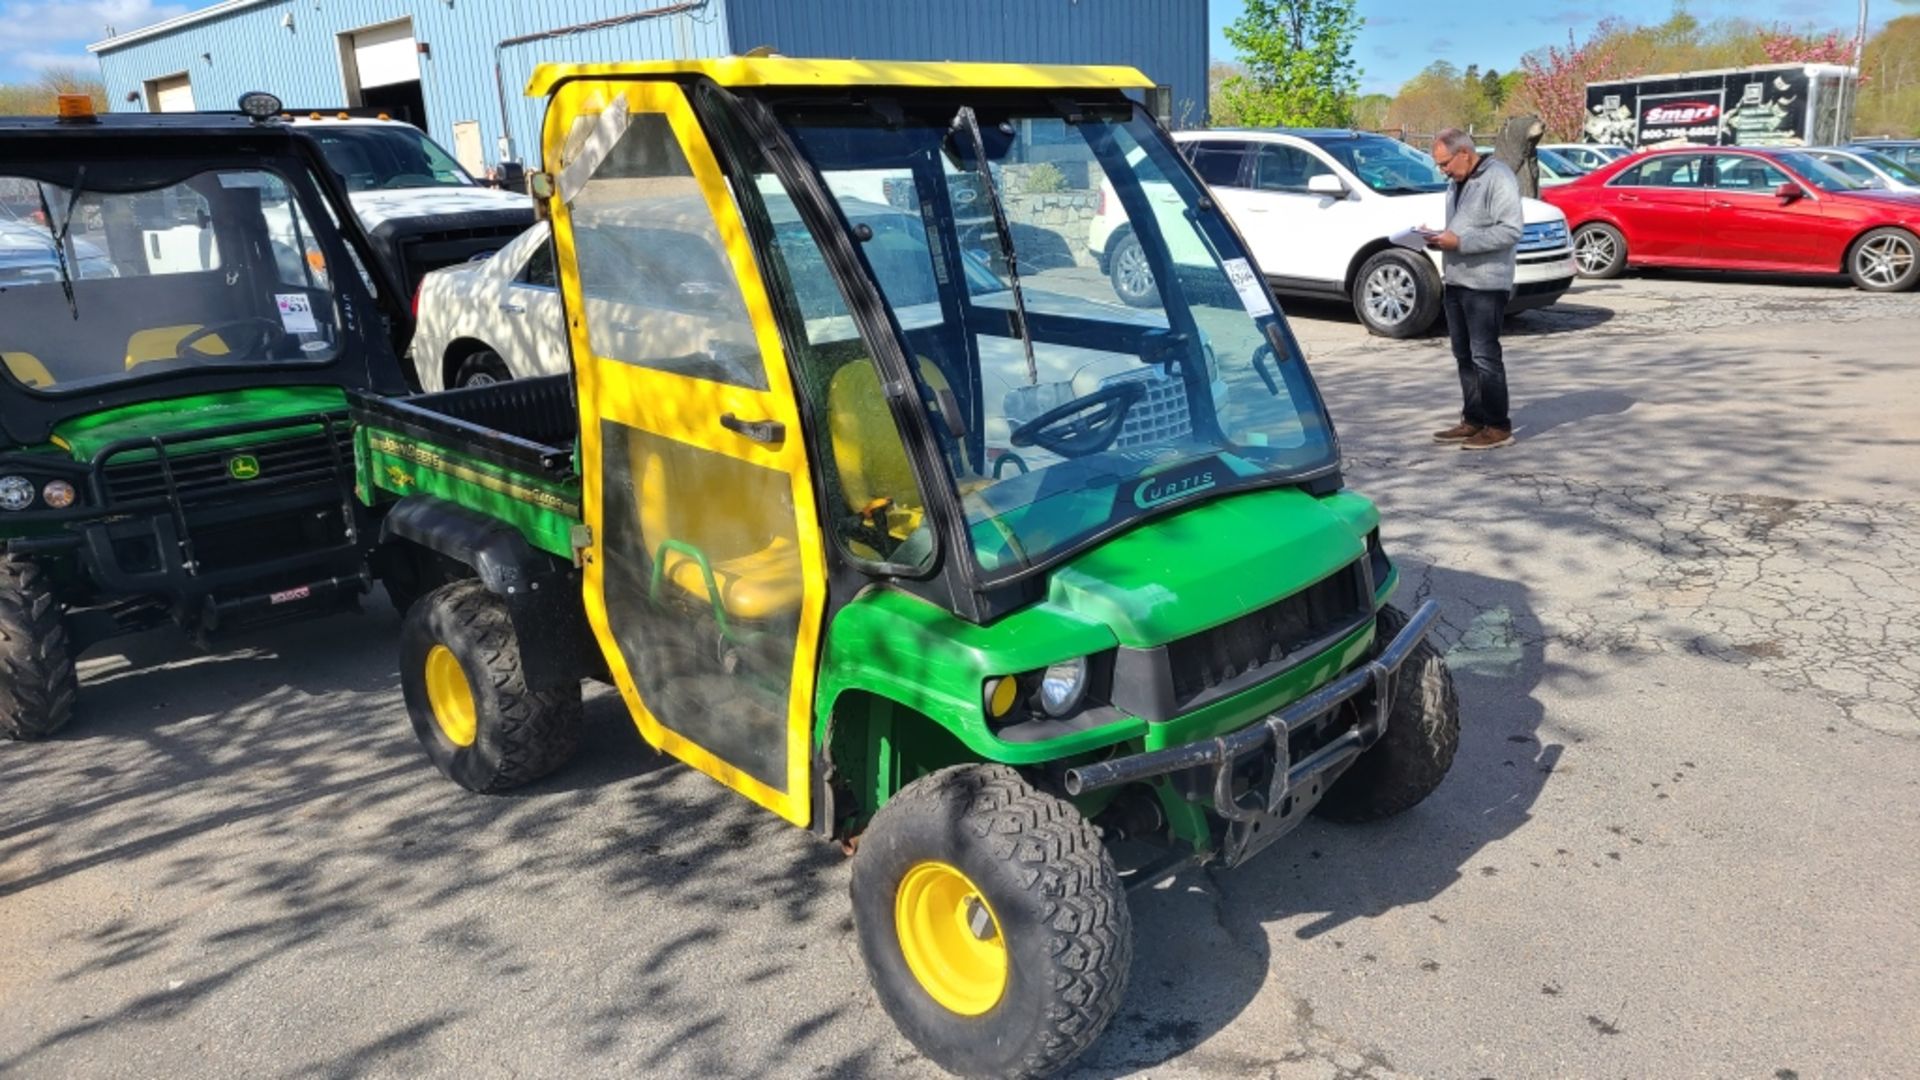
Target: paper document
{"x": 1412, "y": 238}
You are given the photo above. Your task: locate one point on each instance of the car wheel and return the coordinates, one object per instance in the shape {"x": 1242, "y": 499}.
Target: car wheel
{"x": 483, "y": 368}
{"x": 1131, "y": 276}
{"x": 1397, "y": 294}
{"x": 1885, "y": 260}
{"x": 1599, "y": 251}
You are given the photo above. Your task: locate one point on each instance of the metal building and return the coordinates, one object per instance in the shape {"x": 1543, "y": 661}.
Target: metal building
{"x": 457, "y": 67}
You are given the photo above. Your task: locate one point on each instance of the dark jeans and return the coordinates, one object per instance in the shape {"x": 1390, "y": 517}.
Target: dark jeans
{"x": 1473, "y": 322}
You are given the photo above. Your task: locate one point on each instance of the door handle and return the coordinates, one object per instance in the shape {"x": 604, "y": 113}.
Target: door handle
{"x": 1629, "y": 198}
{"x": 1720, "y": 204}
{"x": 514, "y": 309}
{"x": 765, "y": 432}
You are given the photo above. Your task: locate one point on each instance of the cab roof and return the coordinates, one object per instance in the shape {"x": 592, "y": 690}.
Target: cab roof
{"x": 118, "y": 125}
{"x": 791, "y": 71}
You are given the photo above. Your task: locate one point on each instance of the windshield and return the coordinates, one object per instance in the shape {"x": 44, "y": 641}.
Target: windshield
{"x": 1388, "y": 166}
{"x": 1150, "y": 368}
{"x": 1819, "y": 173}
{"x": 388, "y": 156}
{"x": 126, "y": 272}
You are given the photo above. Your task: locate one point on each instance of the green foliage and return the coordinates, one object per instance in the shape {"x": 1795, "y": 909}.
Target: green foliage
{"x": 1044, "y": 179}
{"x": 1298, "y": 61}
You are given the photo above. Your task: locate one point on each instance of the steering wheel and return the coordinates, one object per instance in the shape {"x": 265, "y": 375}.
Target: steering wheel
{"x": 1086, "y": 425}
{"x": 257, "y": 332}
{"x": 407, "y": 180}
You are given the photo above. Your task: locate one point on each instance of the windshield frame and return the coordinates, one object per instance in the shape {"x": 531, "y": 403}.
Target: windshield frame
{"x": 1816, "y": 173}
{"x": 989, "y": 592}
{"x": 1331, "y": 147}
{"x": 366, "y": 357}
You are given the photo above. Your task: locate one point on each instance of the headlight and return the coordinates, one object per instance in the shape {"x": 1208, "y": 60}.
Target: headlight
{"x": 58, "y": 494}
{"x": 16, "y": 492}
{"x": 1062, "y": 686}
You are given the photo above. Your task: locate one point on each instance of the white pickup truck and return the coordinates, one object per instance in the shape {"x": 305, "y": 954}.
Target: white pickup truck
{"x": 1317, "y": 207}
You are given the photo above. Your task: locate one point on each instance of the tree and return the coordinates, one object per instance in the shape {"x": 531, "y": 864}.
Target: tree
{"x": 1494, "y": 89}
{"x": 1298, "y": 56}
{"x": 1890, "y": 96}
{"x": 38, "y": 98}
{"x": 1556, "y": 81}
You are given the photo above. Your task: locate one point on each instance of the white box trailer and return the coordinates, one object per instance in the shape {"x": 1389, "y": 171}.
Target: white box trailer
{"x": 1771, "y": 105}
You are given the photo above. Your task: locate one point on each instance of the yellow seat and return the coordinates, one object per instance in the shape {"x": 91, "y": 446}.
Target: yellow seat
{"x": 27, "y": 368}
{"x": 163, "y": 343}
{"x": 758, "y": 586}
{"x": 739, "y": 518}
{"x": 875, "y": 475}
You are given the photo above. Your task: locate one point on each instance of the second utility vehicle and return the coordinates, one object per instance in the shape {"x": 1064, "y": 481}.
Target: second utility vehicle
{"x": 997, "y": 631}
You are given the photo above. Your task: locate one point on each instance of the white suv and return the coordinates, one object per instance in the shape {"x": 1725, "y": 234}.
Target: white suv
{"x": 1317, "y": 206}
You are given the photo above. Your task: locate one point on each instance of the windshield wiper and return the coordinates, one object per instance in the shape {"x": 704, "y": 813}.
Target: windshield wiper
{"x": 60, "y": 238}
{"x": 965, "y": 118}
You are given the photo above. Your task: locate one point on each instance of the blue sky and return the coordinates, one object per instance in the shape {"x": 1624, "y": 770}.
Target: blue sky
{"x": 1401, "y": 37}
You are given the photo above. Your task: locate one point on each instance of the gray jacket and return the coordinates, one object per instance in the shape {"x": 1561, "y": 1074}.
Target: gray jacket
{"x": 1485, "y": 214}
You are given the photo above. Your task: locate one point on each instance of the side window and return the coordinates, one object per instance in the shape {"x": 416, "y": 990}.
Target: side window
{"x": 1287, "y": 168}
{"x": 1667, "y": 171}
{"x": 874, "y": 506}
{"x": 539, "y": 269}
{"x": 1738, "y": 172}
{"x": 1219, "y": 163}
{"x": 656, "y": 285}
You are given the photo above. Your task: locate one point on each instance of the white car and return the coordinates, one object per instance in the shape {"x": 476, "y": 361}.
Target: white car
{"x": 1876, "y": 170}
{"x": 1588, "y": 156}
{"x": 1317, "y": 207}
{"x": 491, "y": 319}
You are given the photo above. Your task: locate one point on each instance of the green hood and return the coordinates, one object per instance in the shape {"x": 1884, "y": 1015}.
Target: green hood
{"x": 85, "y": 436}
{"x": 1177, "y": 575}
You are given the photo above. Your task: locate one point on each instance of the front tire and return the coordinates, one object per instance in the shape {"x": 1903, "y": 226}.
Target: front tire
{"x": 37, "y": 681}
{"x": 1886, "y": 260}
{"x": 470, "y": 706}
{"x": 1132, "y": 278}
{"x": 1423, "y": 734}
{"x": 1599, "y": 251}
{"x": 1397, "y": 294}
{"x": 993, "y": 924}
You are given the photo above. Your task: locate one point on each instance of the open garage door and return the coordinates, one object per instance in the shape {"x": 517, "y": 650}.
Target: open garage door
{"x": 171, "y": 94}
{"x": 382, "y": 65}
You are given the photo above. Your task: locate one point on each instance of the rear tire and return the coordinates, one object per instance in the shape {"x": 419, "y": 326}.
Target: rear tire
{"x": 1423, "y": 733}
{"x": 1397, "y": 294}
{"x": 37, "y": 681}
{"x": 1132, "y": 278}
{"x": 470, "y": 706}
{"x": 483, "y": 368}
{"x": 1885, "y": 260}
{"x": 1599, "y": 251}
{"x": 993, "y": 924}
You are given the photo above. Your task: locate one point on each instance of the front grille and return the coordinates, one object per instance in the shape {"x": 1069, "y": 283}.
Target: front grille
{"x": 206, "y": 475}
{"x": 1543, "y": 236}
{"x": 1162, "y": 416}
{"x": 1269, "y": 638}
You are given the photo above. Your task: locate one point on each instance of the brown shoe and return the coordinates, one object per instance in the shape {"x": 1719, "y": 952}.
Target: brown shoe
{"x": 1488, "y": 438}
{"x": 1458, "y": 432}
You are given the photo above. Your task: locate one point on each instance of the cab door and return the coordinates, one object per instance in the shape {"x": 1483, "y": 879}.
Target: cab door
{"x": 704, "y": 574}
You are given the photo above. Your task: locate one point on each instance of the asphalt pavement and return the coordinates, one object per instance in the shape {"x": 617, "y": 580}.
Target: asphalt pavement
{"x": 1677, "y": 841}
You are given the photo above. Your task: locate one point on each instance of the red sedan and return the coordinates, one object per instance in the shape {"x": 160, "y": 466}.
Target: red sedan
{"x": 1735, "y": 208}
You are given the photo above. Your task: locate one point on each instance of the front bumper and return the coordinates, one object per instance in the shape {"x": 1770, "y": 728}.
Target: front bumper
{"x": 1262, "y": 813}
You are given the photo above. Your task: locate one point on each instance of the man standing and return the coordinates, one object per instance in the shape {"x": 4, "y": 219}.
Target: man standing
{"x": 1483, "y": 228}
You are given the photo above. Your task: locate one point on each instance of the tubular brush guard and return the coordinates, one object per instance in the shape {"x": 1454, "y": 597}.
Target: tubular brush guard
{"x": 1253, "y": 824}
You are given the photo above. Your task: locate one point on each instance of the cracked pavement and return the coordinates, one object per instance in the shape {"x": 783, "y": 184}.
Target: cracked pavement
{"x": 1677, "y": 840}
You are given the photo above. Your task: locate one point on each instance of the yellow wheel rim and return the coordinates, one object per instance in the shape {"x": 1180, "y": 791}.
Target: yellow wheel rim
{"x": 450, "y": 697}
{"x": 951, "y": 938}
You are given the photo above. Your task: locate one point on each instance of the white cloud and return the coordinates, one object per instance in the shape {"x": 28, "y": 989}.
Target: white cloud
{"x": 80, "y": 22}
{"x": 78, "y": 59}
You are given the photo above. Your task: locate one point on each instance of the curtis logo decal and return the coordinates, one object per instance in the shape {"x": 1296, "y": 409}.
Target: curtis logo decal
{"x": 1157, "y": 491}
{"x": 243, "y": 466}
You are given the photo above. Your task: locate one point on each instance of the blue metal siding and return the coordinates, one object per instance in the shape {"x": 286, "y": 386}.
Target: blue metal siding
{"x": 1166, "y": 39}
{"x": 251, "y": 50}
